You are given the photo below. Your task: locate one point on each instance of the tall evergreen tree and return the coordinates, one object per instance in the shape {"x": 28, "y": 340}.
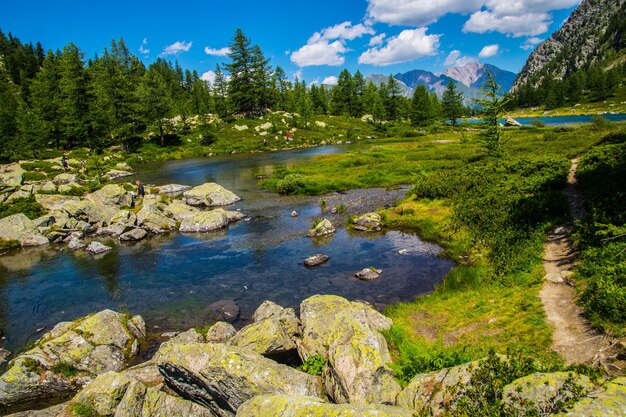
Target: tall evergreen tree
{"x": 220, "y": 93}
{"x": 421, "y": 107}
{"x": 46, "y": 99}
{"x": 241, "y": 87}
{"x": 74, "y": 103}
{"x": 452, "y": 103}
{"x": 394, "y": 95}
{"x": 156, "y": 100}
{"x": 492, "y": 109}
{"x": 343, "y": 95}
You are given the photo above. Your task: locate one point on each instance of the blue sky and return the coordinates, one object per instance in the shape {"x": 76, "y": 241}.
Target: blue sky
{"x": 314, "y": 40}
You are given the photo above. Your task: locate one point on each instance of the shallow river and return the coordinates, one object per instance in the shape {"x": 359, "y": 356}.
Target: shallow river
{"x": 172, "y": 280}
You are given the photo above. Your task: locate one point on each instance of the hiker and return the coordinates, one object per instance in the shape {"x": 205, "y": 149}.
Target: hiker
{"x": 141, "y": 192}
{"x": 64, "y": 164}
{"x": 83, "y": 166}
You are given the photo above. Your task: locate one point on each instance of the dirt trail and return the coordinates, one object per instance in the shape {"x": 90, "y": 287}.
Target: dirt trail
{"x": 573, "y": 338}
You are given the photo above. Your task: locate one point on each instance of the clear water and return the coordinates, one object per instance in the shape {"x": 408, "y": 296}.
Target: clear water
{"x": 562, "y": 120}
{"x": 171, "y": 280}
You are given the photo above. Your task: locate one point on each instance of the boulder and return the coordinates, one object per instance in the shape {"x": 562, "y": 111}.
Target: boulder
{"x": 123, "y": 166}
{"x": 66, "y": 178}
{"x": 75, "y": 243}
{"x": 53, "y": 411}
{"x": 609, "y": 401}
{"x": 133, "y": 235}
{"x": 209, "y": 195}
{"x": 12, "y": 179}
{"x": 67, "y": 188}
{"x": 369, "y": 274}
{"x": 223, "y": 377}
{"x": 347, "y": 334}
{"x": 97, "y": 248}
{"x": 431, "y": 393}
{"x": 69, "y": 356}
{"x": 4, "y": 355}
{"x": 323, "y": 228}
{"x": 537, "y": 391}
{"x": 111, "y": 195}
{"x": 116, "y": 173}
{"x": 220, "y": 332}
{"x": 273, "y": 333}
{"x": 315, "y": 260}
{"x": 124, "y": 217}
{"x": 299, "y": 406}
{"x": 180, "y": 211}
{"x": 54, "y": 202}
{"x": 368, "y": 222}
{"x": 49, "y": 187}
{"x": 234, "y": 216}
{"x": 185, "y": 338}
{"x": 224, "y": 310}
{"x": 91, "y": 212}
{"x": 294, "y": 214}
{"x": 20, "y": 228}
{"x": 151, "y": 218}
{"x": 116, "y": 230}
{"x": 205, "y": 221}
{"x": 173, "y": 189}
{"x": 509, "y": 122}
{"x": 18, "y": 194}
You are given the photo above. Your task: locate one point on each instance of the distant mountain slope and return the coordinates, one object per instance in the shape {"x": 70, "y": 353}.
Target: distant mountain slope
{"x": 592, "y": 30}
{"x": 378, "y": 79}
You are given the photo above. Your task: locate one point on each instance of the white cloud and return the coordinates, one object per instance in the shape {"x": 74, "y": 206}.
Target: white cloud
{"x": 208, "y": 76}
{"x": 346, "y": 31}
{"x": 530, "y": 43}
{"x": 377, "y": 40}
{"x": 489, "y": 51}
{"x": 417, "y": 12}
{"x": 331, "y": 80}
{"x": 176, "y": 48}
{"x": 143, "y": 48}
{"x": 456, "y": 59}
{"x": 217, "y": 52}
{"x": 298, "y": 75}
{"x": 320, "y": 52}
{"x": 409, "y": 45}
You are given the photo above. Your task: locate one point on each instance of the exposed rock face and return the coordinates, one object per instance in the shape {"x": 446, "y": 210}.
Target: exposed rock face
{"x": 70, "y": 355}
{"x": 173, "y": 188}
{"x": 298, "y": 406}
{"x": 368, "y": 222}
{"x": 347, "y": 333}
{"x": 209, "y": 195}
{"x": 154, "y": 220}
{"x": 431, "y": 392}
{"x": 608, "y": 402}
{"x": 4, "y": 355}
{"x": 112, "y": 195}
{"x": 116, "y": 173}
{"x": 184, "y": 338}
{"x": 511, "y": 122}
{"x": 582, "y": 39}
{"x": 12, "y": 178}
{"x": 323, "y": 228}
{"x": 97, "y": 248}
{"x": 222, "y": 377}
{"x": 75, "y": 243}
{"x": 180, "y": 211}
{"x": 20, "y": 228}
{"x": 369, "y": 274}
{"x": 538, "y": 391}
{"x": 54, "y": 202}
{"x": 220, "y": 332}
{"x": 274, "y": 331}
{"x": 91, "y": 212}
{"x": 133, "y": 235}
{"x": 315, "y": 260}
{"x": 205, "y": 221}
{"x": 66, "y": 178}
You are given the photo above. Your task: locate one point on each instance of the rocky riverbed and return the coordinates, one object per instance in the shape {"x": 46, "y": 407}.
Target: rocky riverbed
{"x": 217, "y": 371}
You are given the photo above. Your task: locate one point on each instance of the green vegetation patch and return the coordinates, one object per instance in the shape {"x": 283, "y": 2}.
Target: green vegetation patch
{"x": 31, "y": 208}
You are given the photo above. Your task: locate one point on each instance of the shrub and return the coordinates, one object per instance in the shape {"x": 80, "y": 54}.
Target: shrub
{"x": 563, "y": 129}
{"x": 66, "y": 369}
{"x": 291, "y": 184}
{"x": 34, "y": 176}
{"x": 537, "y": 123}
{"x": 31, "y": 208}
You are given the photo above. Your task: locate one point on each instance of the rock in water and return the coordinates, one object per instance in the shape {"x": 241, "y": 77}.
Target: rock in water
{"x": 323, "y": 228}
{"x": 20, "y": 228}
{"x": 205, "y": 221}
{"x": 223, "y": 377}
{"x": 224, "y": 310}
{"x": 75, "y": 243}
{"x": 315, "y": 260}
{"x": 152, "y": 219}
{"x": 70, "y": 355}
{"x": 180, "y": 211}
{"x": 294, "y": 214}
{"x": 511, "y": 122}
{"x": 97, "y": 248}
{"x": 369, "y": 274}
{"x": 369, "y": 222}
{"x": 299, "y": 406}
{"x": 173, "y": 188}
{"x": 133, "y": 235}
{"x": 209, "y": 195}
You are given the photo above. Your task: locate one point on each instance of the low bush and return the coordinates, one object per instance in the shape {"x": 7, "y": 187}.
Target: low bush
{"x": 291, "y": 184}
{"x": 31, "y": 208}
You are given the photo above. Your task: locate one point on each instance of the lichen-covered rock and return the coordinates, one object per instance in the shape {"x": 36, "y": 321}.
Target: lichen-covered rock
{"x": 173, "y": 189}
{"x": 369, "y": 274}
{"x": 12, "y": 178}
{"x": 20, "y": 228}
{"x": 209, "y": 195}
{"x": 537, "y": 391}
{"x": 222, "y": 377}
{"x": 220, "y": 332}
{"x": 347, "y": 334}
{"x": 97, "y": 248}
{"x": 180, "y": 211}
{"x": 323, "y": 228}
{"x": 4, "y": 355}
{"x": 75, "y": 244}
{"x": 434, "y": 391}
{"x": 69, "y": 356}
{"x": 66, "y": 188}
{"x": 49, "y": 186}
{"x": 205, "y": 221}
{"x": 125, "y": 217}
{"x": 133, "y": 235}
{"x": 315, "y": 260}
{"x": 91, "y": 212}
{"x": 368, "y": 222}
{"x": 115, "y": 229}
{"x": 53, "y": 411}
{"x": 151, "y": 218}
{"x": 54, "y": 202}
{"x": 184, "y": 338}
{"x": 610, "y": 401}
{"x": 274, "y": 331}
{"x": 66, "y": 178}
{"x": 117, "y": 173}
{"x": 298, "y": 406}
{"x": 112, "y": 195}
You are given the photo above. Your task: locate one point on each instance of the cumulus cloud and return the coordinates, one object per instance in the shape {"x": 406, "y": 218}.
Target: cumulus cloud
{"x": 417, "y": 12}
{"x": 409, "y": 45}
{"x": 176, "y": 48}
{"x": 457, "y": 59}
{"x": 208, "y": 76}
{"x": 530, "y": 43}
{"x": 346, "y": 30}
{"x": 489, "y": 51}
{"x": 331, "y": 80}
{"x": 217, "y": 52}
{"x": 143, "y": 48}
{"x": 377, "y": 40}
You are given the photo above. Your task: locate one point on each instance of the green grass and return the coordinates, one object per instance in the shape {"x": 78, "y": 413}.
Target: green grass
{"x": 66, "y": 369}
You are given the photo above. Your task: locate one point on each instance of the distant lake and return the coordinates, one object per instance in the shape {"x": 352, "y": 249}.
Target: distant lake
{"x": 562, "y": 120}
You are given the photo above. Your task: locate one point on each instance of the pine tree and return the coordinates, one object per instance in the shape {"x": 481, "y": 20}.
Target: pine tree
{"x": 8, "y": 112}
{"x": 241, "y": 87}
{"x": 392, "y": 104}
{"x": 358, "y": 107}
{"x": 421, "y": 107}
{"x": 261, "y": 81}
{"x": 343, "y": 95}
{"x": 74, "y": 104}
{"x": 452, "y": 103}
{"x": 220, "y": 93}
{"x": 378, "y": 109}
{"x": 46, "y": 99}
{"x": 156, "y": 100}
{"x": 492, "y": 109}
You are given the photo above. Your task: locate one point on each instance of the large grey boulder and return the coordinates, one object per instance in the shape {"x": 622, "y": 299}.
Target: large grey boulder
{"x": 220, "y": 332}
{"x": 133, "y": 235}
{"x": 173, "y": 189}
{"x": 12, "y": 178}
{"x": 222, "y": 377}
{"x": 348, "y": 335}
{"x": 111, "y": 195}
{"x": 368, "y": 222}
{"x": 54, "y": 202}
{"x": 273, "y": 333}
{"x": 125, "y": 217}
{"x": 180, "y": 211}
{"x": 66, "y": 178}
{"x": 206, "y": 221}
{"x": 97, "y": 248}
{"x": 71, "y": 355}
{"x": 323, "y": 228}
{"x": 91, "y": 212}
{"x": 209, "y": 195}
{"x": 116, "y": 173}
{"x": 20, "y": 228}
{"x": 299, "y": 406}
{"x": 151, "y": 218}
{"x": 511, "y": 122}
